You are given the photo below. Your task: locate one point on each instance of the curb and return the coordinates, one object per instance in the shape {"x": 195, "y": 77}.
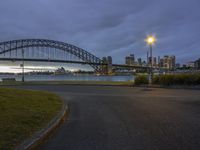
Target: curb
{"x": 169, "y": 87}
{"x": 40, "y": 136}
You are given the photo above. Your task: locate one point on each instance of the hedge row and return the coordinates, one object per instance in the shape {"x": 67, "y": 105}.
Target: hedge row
{"x": 177, "y": 79}
{"x": 170, "y": 79}
{"x": 142, "y": 79}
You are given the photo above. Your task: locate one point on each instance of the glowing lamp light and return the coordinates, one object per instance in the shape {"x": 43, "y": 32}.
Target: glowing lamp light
{"x": 151, "y": 40}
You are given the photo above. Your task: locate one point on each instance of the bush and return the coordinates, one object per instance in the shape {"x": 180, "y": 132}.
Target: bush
{"x": 156, "y": 80}
{"x": 139, "y": 80}
{"x": 177, "y": 79}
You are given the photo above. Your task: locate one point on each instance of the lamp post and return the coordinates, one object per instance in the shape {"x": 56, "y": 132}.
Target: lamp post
{"x": 22, "y": 65}
{"x": 150, "y": 41}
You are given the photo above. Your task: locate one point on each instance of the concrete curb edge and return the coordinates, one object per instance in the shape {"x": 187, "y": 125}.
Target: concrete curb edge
{"x": 41, "y": 135}
{"x": 169, "y": 87}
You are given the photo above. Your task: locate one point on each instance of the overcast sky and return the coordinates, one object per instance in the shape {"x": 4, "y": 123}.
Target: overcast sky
{"x": 108, "y": 27}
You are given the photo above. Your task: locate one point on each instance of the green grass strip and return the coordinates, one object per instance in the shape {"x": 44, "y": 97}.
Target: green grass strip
{"x": 23, "y": 112}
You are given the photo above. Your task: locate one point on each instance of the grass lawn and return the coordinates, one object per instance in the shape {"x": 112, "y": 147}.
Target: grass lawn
{"x": 23, "y": 112}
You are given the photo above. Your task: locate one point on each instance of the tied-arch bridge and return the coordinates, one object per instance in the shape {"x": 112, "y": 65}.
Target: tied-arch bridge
{"x": 44, "y": 50}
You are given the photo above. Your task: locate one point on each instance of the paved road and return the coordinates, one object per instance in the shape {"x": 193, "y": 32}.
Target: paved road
{"x": 125, "y": 118}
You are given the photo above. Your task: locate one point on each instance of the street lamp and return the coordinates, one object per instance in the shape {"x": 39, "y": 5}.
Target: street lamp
{"x": 150, "y": 41}
{"x": 22, "y": 65}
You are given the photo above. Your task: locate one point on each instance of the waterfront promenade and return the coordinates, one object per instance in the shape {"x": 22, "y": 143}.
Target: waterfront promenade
{"x": 126, "y": 118}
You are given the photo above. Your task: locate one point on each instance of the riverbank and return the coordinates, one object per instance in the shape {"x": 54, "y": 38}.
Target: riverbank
{"x": 80, "y": 77}
{"x": 23, "y": 112}
{"x": 102, "y": 83}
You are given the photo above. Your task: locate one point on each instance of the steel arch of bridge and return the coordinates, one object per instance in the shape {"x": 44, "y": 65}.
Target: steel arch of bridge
{"x": 82, "y": 54}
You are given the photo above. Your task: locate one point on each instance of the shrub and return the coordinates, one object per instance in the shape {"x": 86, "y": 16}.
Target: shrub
{"x": 166, "y": 80}
{"x": 198, "y": 79}
{"x": 139, "y": 80}
{"x": 177, "y": 79}
{"x": 156, "y": 79}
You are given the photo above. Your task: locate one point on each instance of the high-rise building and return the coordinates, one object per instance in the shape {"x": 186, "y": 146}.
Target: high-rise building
{"x": 149, "y": 61}
{"x": 173, "y": 59}
{"x": 154, "y": 63}
{"x": 133, "y": 57}
{"x": 168, "y": 62}
{"x": 161, "y": 63}
{"x": 144, "y": 63}
{"x": 178, "y": 65}
{"x": 109, "y": 60}
{"x": 104, "y": 59}
{"x": 190, "y": 64}
{"x": 197, "y": 64}
{"x": 130, "y": 60}
{"x": 139, "y": 61}
{"x": 158, "y": 59}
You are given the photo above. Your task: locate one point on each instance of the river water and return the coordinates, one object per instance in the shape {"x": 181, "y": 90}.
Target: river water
{"x": 69, "y": 78}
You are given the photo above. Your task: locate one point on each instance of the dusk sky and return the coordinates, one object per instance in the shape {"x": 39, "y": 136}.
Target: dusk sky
{"x": 108, "y": 27}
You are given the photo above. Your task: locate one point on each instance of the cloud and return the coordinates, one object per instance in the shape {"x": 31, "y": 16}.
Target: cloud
{"x": 107, "y": 27}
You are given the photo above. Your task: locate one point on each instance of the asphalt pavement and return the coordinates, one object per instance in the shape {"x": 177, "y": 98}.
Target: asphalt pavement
{"x": 126, "y": 118}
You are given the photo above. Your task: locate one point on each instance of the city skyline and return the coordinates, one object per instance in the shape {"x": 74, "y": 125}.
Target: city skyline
{"x": 131, "y": 59}
{"x": 115, "y": 27}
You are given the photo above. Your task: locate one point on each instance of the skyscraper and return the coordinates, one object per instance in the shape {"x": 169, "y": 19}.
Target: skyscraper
{"x": 197, "y": 64}
{"x": 104, "y": 59}
{"x": 168, "y": 62}
{"x": 154, "y": 61}
{"x": 109, "y": 60}
{"x": 140, "y": 61}
{"x": 130, "y": 60}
